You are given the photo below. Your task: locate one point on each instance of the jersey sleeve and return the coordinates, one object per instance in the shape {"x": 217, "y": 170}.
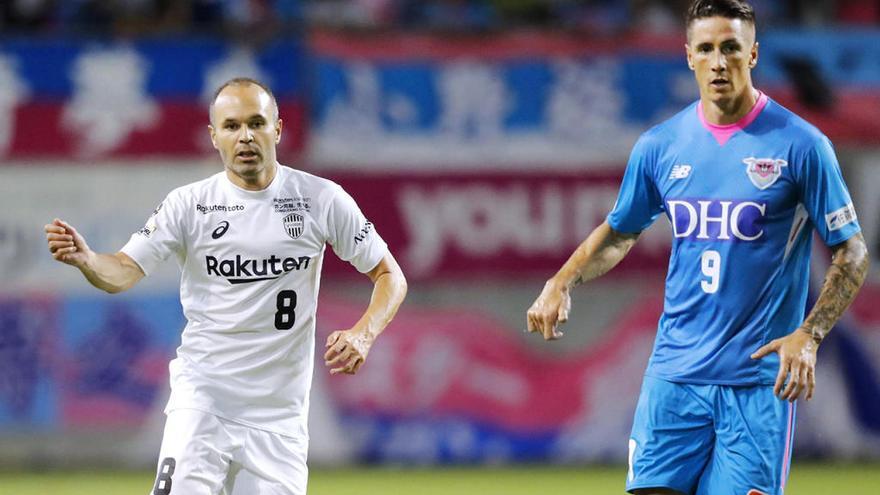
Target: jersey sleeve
{"x": 825, "y": 196}
{"x": 161, "y": 237}
{"x": 638, "y": 202}
{"x": 353, "y": 238}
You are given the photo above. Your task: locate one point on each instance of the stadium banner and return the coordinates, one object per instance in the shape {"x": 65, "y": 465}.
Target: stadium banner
{"x": 404, "y": 102}
{"x": 90, "y": 100}
{"x": 442, "y": 385}
{"x": 440, "y": 226}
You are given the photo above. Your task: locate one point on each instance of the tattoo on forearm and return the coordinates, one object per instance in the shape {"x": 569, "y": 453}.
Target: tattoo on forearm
{"x": 844, "y": 277}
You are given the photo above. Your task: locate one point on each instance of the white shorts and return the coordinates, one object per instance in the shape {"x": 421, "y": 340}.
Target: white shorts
{"x": 203, "y": 454}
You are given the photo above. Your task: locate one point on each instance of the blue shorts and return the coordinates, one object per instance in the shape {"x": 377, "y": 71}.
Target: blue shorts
{"x": 710, "y": 439}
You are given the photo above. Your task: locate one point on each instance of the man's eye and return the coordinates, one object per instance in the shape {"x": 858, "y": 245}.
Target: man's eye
{"x": 257, "y": 125}
{"x": 231, "y": 127}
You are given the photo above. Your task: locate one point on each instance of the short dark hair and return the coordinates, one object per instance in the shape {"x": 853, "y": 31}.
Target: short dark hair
{"x": 243, "y": 81}
{"x": 731, "y": 9}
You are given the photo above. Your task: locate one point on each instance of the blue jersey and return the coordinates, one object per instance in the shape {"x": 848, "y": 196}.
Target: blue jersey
{"x": 742, "y": 201}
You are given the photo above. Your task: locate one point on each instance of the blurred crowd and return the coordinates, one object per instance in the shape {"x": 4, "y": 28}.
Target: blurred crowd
{"x": 271, "y": 16}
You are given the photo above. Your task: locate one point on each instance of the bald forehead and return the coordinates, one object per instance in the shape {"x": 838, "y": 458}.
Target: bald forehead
{"x": 245, "y": 99}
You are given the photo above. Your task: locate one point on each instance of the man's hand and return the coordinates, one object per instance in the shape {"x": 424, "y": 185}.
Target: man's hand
{"x": 347, "y": 350}
{"x": 797, "y": 361}
{"x": 66, "y": 244}
{"x": 550, "y": 310}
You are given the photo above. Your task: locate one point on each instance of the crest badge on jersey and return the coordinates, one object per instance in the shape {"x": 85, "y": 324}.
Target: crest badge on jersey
{"x": 764, "y": 172}
{"x": 294, "y": 225}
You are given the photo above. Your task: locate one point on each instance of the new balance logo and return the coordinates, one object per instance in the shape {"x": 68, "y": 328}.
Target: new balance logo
{"x": 680, "y": 171}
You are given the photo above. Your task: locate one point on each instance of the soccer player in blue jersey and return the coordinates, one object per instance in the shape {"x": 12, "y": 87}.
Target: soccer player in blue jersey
{"x": 743, "y": 182}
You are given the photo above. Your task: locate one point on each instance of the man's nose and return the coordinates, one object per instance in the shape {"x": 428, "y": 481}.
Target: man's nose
{"x": 246, "y": 136}
{"x": 719, "y": 63}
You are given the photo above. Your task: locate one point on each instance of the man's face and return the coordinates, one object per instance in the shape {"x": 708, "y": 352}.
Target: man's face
{"x": 722, "y": 52}
{"x": 245, "y": 129}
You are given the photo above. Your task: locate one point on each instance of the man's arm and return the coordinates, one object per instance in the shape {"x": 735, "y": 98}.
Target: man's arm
{"x": 600, "y": 252}
{"x": 109, "y": 272}
{"x": 347, "y": 349}
{"x": 797, "y": 351}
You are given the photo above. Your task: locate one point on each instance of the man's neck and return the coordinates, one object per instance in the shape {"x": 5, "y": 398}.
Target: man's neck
{"x": 729, "y": 111}
{"x": 257, "y": 183}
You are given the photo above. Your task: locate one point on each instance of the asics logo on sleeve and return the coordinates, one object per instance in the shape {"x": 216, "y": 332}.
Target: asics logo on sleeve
{"x": 722, "y": 220}
{"x": 220, "y": 230}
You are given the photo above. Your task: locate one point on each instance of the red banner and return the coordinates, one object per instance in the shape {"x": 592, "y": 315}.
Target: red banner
{"x": 457, "y": 225}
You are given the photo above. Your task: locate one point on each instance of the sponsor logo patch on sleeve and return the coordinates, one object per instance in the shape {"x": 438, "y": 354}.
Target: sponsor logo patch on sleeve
{"x": 837, "y": 219}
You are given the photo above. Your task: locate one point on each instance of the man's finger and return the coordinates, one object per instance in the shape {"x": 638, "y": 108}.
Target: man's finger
{"x": 562, "y": 315}
{"x": 803, "y": 381}
{"x": 340, "y": 357}
{"x": 766, "y": 349}
{"x": 552, "y": 333}
{"x": 811, "y": 383}
{"x": 792, "y": 386}
{"x": 55, "y": 236}
{"x": 530, "y": 322}
{"x": 56, "y": 245}
{"x": 548, "y": 326}
{"x": 780, "y": 377}
{"x": 346, "y": 368}
{"x": 358, "y": 361}
{"x": 53, "y": 229}
{"x": 332, "y": 338}
{"x": 333, "y": 349}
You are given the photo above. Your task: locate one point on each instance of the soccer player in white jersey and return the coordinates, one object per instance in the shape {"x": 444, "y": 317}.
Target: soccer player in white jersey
{"x": 743, "y": 182}
{"x": 250, "y": 242}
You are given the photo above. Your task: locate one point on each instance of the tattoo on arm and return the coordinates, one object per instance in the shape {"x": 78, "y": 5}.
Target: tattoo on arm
{"x": 849, "y": 266}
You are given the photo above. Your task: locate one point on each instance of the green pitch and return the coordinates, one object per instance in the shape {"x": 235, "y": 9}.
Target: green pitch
{"x": 806, "y": 479}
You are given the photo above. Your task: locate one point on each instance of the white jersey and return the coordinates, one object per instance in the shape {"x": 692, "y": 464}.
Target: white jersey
{"x": 251, "y": 265}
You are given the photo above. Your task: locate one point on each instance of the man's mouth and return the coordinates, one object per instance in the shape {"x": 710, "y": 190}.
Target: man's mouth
{"x": 247, "y": 155}
{"x": 719, "y": 82}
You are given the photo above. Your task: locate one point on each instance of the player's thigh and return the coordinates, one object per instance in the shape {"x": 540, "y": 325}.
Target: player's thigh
{"x": 272, "y": 464}
{"x": 754, "y": 434}
{"x": 672, "y": 438}
{"x": 195, "y": 455}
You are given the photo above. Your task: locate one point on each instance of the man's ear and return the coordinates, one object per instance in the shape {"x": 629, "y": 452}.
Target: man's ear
{"x": 213, "y": 135}
{"x": 690, "y": 56}
{"x": 753, "y": 56}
